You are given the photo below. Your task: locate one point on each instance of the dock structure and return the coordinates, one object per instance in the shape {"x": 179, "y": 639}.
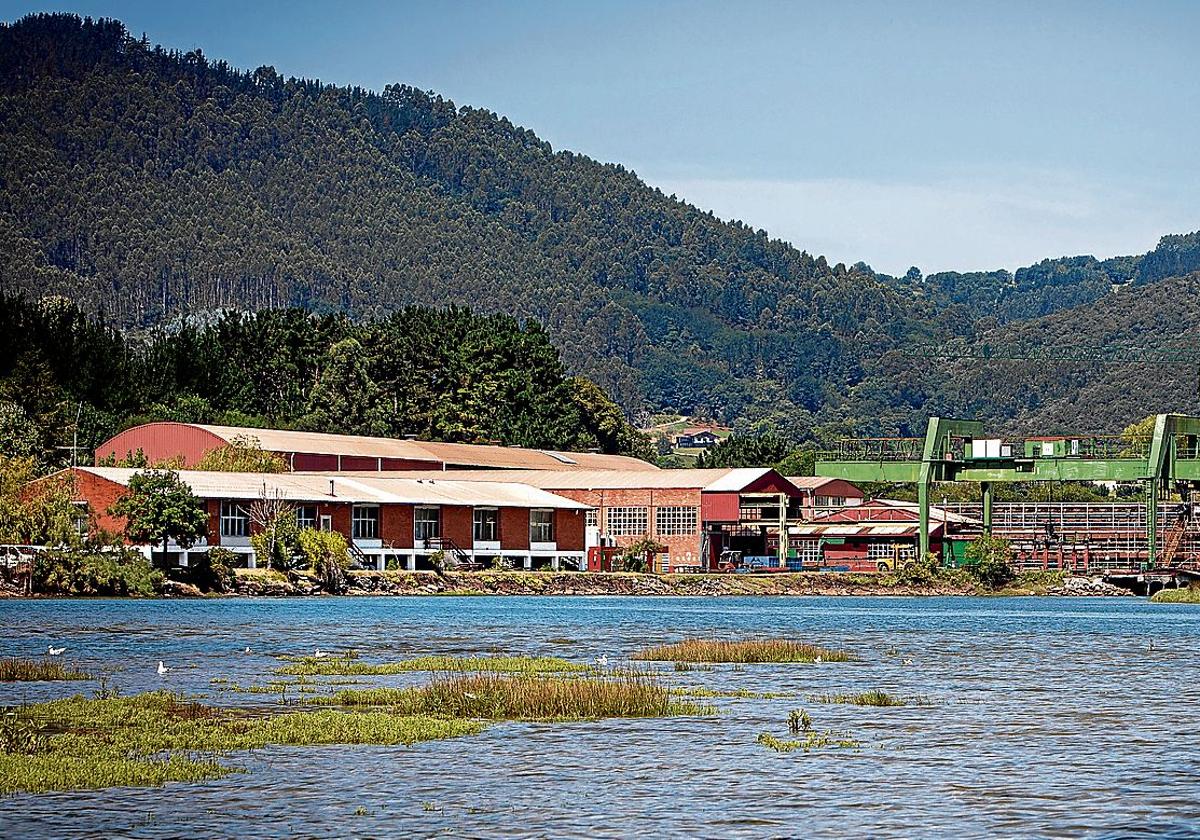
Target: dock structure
{"x": 954, "y": 450}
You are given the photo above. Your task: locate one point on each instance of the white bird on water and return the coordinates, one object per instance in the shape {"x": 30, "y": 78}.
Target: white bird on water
{"x": 319, "y": 654}
{"x": 602, "y": 660}
{"x": 907, "y": 662}
{"x": 247, "y": 648}
{"x": 53, "y": 651}
{"x": 162, "y": 669}
{"x": 818, "y": 660}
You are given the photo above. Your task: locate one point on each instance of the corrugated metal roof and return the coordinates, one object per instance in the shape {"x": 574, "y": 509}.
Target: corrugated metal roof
{"x": 465, "y": 454}
{"x": 857, "y": 529}
{"x": 714, "y": 480}
{"x": 812, "y": 482}
{"x": 358, "y": 488}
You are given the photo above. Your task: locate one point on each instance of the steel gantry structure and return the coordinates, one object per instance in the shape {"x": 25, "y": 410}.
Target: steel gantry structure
{"x": 958, "y": 451}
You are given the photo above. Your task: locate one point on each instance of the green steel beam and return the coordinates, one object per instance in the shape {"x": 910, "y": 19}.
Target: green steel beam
{"x": 1162, "y": 466}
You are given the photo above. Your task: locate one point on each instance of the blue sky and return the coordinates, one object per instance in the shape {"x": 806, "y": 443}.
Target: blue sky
{"x": 953, "y": 135}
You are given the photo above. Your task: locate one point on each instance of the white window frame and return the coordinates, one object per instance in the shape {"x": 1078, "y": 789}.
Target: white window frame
{"x": 476, "y": 522}
{"x": 423, "y": 525}
{"x": 303, "y": 521}
{"x": 362, "y": 516}
{"x": 627, "y": 521}
{"x": 235, "y": 520}
{"x": 676, "y": 520}
{"x": 591, "y": 519}
{"x": 541, "y": 531}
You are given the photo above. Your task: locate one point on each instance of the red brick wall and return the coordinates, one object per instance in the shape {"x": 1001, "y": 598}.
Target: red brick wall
{"x": 458, "y": 524}
{"x": 682, "y": 548}
{"x": 569, "y": 530}
{"x": 100, "y": 495}
{"x": 396, "y": 526}
{"x": 514, "y": 529}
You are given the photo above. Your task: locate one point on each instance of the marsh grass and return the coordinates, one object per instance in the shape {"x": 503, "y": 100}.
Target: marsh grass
{"x": 34, "y": 670}
{"x": 875, "y": 697}
{"x": 748, "y": 651}
{"x": 743, "y": 693}
{"x": 345, "y": 667}
{"x": 524, "y": 697}
{"x": 154, "y": 738}
{"x": 1187, "y": 595}
{"x": 811, "y": 741}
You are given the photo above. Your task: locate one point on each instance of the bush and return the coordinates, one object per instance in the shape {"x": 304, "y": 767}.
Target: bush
{"x": 327, "y": 555}
{"x": 634, "y": 558}
{"x": 277, "y": 544}
{"x": 95, "y": 570}
{"x": 212, "y": 571}
{"x": 920, "y": 570}
{"x": 988, "y": 561}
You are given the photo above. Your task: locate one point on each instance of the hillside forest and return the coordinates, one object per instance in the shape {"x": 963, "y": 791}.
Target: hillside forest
{"x": 236, "y": 242}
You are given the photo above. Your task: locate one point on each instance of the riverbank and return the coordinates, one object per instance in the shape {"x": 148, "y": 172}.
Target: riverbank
{"x": 267, "y": 583}
{"x": 642, "y": 585}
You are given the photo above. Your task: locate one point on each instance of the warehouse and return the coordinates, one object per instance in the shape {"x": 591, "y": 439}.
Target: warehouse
{"x": 695, "y": 515}
{"x": 401, "y": 522}
{"x": 188, "y": 443}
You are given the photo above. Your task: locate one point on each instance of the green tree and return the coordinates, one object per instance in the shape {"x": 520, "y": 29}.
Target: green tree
{"x": 158, "y": 507}
{"x": 242, "y": 454}
{"x": 345, "y": 398}
{"x": 989, "y": 559}
{"x": 328, "y": 557}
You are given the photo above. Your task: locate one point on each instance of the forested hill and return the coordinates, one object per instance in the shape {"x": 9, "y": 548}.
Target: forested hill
{"x": 148, "y": 185}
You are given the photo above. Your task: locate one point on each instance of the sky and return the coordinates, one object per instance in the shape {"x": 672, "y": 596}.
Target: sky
{"x": 949, "y": 136}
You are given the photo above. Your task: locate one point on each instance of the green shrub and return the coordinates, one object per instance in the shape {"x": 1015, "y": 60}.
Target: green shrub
{"x": 327, "y": 555}
{"x": 95, "y": 570}
{"x": 988, "y": 561}
{"x": 277, "y": 543}
{"x": 213, "y": 571}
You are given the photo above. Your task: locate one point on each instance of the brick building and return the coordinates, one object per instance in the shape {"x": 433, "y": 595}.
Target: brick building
{"x": 383, "y": 519}
{"x": 695, "y": 514}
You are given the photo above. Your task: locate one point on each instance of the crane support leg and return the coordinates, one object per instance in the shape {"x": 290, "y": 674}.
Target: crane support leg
{"x": 986, "y": 486}
{"x": 1152, "y": 523}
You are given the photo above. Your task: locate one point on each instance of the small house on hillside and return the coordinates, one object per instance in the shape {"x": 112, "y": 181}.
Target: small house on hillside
{"x": 696, "y": 438}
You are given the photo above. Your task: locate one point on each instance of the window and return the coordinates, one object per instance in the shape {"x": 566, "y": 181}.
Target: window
{"x": 306, "y": 516}
{"x": 79, "y": 519}
{"x": 628, "y": 521}
{"x": 809, "y": 551}
{"x": 427, "y": 523}
{"x": 487, "y": 525}
{"x": 541, "y": 526}
{"x": 364, "y": 522}
{"x": 592, "y": 519}
{"x": 889, "y": 550}
{"x": 673, "y": 521}
{"x": 235, "y": 522}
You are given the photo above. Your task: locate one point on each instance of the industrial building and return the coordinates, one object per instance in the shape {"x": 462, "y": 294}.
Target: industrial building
{"x": 401, "y": 522}
{"x": 316, "y": 451}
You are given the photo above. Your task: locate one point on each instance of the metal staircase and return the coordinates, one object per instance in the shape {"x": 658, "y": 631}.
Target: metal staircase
{"x": 462, "y": 560}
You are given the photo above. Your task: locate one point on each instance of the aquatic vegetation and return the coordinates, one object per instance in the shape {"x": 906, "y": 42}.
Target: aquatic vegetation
{"x": 799, "y": 721}
{"x": 1189, "y": 595}
{"x": 154, "y": 738}
{"x": 875, "y": 697}
{"x": 812, "y": 741}
{"x": 743, "y": 693}
{"x": 524, "y": 697}
{"x": 343, "y": 667}
{"x": 748, "y": 651}
{"x": 33, "y": 670}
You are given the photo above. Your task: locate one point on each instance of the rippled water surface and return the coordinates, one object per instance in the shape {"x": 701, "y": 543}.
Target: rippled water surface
{"x": 1051, "y": 717}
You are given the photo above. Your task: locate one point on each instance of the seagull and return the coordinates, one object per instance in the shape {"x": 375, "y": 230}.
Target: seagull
{"x": 906, "y": 662}
{"x": 818, "y": 660}
{"x": 247, "y": 648}
{"x": 319, "y": 654}
{"x": 602, "y": 660}
{"x": 162, "y": 669}
{"x": 53, "y": 651}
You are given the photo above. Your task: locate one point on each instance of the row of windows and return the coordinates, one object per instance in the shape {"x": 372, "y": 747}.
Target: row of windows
{"x": 364, "y": 522}
{"x": 635, "y": 521}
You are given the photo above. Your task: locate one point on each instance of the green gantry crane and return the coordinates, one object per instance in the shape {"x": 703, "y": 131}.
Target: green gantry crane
{"x": 958, "y": 450}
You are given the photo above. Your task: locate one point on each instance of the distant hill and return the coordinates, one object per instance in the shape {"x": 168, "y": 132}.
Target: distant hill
{"x": 148, "y": 185}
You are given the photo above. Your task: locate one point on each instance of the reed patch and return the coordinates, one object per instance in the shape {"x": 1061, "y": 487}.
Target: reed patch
{"x": 875, "y": 697}
{"x": 340, "y": 666}
{"x": 744, "y": 652}
{"x": 36, "y": 670}
{"x": 525, "y": 697}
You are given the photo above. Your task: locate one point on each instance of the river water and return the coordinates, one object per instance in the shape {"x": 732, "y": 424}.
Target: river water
{"x": 1048, "y": 717}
